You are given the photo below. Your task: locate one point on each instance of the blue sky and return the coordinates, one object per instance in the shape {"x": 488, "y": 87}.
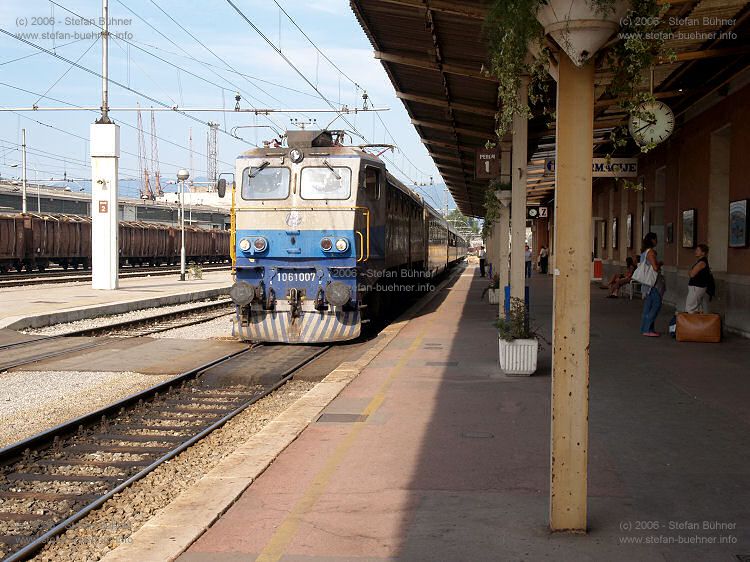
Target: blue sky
{"x": 241, "y": 59}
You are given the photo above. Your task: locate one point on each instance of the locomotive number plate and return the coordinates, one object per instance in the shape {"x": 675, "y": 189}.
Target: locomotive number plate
{"x": 296, "y": 276}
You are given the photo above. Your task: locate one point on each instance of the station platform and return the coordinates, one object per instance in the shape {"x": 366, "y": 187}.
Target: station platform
{"x": 43, "y": 305}
{"x": 432, "y": 453}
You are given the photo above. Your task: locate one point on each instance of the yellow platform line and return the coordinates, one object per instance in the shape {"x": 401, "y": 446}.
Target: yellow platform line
{"x": 283, "y": 536}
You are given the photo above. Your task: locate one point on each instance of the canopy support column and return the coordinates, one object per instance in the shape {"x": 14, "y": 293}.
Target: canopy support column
{"x": 572, "y": 298}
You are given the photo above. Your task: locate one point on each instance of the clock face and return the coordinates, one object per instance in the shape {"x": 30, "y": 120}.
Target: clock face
{"x": 651, "y": 123}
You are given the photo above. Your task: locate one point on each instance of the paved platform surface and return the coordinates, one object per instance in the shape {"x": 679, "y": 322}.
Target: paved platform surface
{"x": 42, "y": 305}
{"x": 433, "y": 454}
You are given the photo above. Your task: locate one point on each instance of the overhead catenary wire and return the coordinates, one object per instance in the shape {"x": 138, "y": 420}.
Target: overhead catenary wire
{"x": 38, "y": 53}
{"x": 64, "y": 74}
{"x": 124, "y": 123}
{"x": 235, "y": 87}
{"x": 307, "y": 80}
{"x": 97, "y": 74}
{"x": 356, "y": 84}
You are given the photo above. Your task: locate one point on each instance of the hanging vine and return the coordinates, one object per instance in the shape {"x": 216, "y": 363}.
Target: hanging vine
{"x": 513, "y": 31}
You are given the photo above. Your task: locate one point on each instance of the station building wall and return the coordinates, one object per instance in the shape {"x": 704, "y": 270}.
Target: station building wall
{"x": 703, "y": 166}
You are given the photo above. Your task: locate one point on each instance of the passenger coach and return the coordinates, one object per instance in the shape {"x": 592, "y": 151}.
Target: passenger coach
{"x": 322, "y": 233}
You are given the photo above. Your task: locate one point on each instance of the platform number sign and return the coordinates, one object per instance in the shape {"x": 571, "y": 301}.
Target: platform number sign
{"x": 103, "y": 206}
{"x": 487, "y": 165}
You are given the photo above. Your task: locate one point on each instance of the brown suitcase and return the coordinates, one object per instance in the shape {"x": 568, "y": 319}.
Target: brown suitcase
{"x": 698, "y": 327}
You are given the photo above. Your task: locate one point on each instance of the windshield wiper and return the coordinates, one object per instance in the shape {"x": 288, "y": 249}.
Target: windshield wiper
{"x": 327, "y": 164}
{"x": 259, "y": 169}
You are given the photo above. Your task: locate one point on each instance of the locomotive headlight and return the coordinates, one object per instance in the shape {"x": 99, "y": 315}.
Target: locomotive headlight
{"x": 244, "y": 244}
{"x": 342, "y": 244}
{"x": 326, "y": 244}
{"x": 260, "y": 244}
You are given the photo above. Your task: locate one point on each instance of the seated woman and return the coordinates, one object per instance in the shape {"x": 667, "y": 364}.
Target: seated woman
{"x": 618, "y": 280}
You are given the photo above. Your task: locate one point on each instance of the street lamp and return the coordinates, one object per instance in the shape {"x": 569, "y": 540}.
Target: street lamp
{"x": 182, "y": 176}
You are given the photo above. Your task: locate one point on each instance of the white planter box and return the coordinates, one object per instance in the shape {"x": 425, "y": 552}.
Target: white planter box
{"x": 494, "y": 296}
{"x": 518, "y": 357}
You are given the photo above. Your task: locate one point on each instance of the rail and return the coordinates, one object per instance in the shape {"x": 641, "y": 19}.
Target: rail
{"x": 50, "y": 442}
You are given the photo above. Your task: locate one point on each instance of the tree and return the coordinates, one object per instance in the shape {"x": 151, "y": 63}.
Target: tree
{"x": 461, "y": 222}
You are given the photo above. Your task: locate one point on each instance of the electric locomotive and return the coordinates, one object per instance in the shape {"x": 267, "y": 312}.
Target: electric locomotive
{"x": 322, "y": 234}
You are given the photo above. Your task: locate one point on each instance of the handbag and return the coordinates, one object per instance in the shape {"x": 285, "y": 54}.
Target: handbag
{"x": 644, "y": 273}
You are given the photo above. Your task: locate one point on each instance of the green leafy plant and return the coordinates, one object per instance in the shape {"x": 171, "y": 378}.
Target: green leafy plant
{"x": 512, "y": 27}
{"x": 641, "y": 45}
{"x": 513, "y": 30}
{"x": 492, "y": 206}
{"x": 516, "y": 325}
{"x": 493, "y": 285}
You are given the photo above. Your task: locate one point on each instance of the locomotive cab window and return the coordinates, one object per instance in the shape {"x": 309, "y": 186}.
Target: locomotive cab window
{"x": 372, "y": 182}
{"x": 326, "y": 183}
{"x": 265, "y": 182}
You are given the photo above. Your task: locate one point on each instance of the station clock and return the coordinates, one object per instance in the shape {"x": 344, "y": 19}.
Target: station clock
{"x": 651, "y": 123}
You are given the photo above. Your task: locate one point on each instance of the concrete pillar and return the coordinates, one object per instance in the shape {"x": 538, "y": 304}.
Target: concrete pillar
{"x": 503, "y": 226}
{"x": 571, "y": 301}
{"x": 105, "y": 154}
{"x": 503, "y": 239}
{"x": 518, "y": 202}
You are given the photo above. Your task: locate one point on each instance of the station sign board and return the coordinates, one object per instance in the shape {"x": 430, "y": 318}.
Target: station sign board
{"x": 603, "y": 167}
{"x": 536, "y": 212}
{"x": 487, "y": 165}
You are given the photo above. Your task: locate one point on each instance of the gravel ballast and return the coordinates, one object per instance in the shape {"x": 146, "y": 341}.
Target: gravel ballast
{"x": 88, "y": 323}
{"x": 219, "y": 328}
{"x": 33, "y": 401}
{"x": 119, "y": 518}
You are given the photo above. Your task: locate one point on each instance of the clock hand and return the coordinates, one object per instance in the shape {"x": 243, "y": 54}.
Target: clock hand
{"x": 646, "y": 126}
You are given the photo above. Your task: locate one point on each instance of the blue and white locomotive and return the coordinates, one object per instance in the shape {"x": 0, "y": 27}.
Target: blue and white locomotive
{"x": 322, "y": 235}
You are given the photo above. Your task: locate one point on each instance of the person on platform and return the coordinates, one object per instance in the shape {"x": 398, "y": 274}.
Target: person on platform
{"x": 653, "y": 301}
{"x": 482, "y": 260}
{"x": 619, "y": 279}
{"x": 527, "y": 256}
{"x": 700, "y": 278}
{"x": 543, "y": 260}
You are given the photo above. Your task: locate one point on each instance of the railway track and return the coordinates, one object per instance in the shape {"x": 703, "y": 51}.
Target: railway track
{"x": 55, "y": 478}
{"x": 72, "y": 276}
{"x": 47, "y": 347}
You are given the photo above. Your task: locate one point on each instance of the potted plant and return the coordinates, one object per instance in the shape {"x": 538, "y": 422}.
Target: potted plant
{"x": 493, "y": 289}
{"x": 519, "y": 346}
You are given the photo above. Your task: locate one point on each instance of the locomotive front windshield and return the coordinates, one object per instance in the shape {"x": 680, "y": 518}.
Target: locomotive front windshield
{"x": 326, "y": 183}
{"x": 265, "y": 182}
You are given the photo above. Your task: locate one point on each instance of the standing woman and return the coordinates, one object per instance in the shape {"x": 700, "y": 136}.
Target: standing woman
{"x": 652, "y": 304}
{"x": 700, "y": 276}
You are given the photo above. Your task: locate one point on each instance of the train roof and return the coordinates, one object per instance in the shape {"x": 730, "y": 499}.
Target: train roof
{"x": 329, "y": 144}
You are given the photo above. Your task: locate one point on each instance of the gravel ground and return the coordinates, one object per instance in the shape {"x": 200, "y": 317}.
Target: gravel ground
{"x": 114, "y": 522}
{"x": 104, "y": 320}
{"x": 219, "y": 328}
{"x": 32, "y": 401}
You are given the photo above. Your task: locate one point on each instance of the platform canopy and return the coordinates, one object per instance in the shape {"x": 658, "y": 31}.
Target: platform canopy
{"x": 435, "y": 54}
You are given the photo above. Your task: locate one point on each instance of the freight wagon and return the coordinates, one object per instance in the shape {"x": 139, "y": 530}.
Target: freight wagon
{"x": 34, "y": 241}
